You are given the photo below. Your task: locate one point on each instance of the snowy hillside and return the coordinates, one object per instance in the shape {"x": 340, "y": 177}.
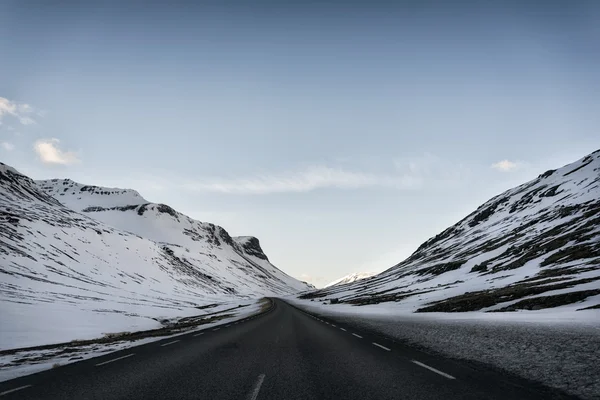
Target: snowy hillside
{"x": 248, "y": 270}
{"x": 111, "y": 262}
{"x": 536, "y": 246}
{"x": 73, "y": 194}
{"x": 356, "y": 276}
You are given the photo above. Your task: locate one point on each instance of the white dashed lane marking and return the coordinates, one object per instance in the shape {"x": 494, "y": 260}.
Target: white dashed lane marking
{"x": 14, "y": 390}
{"x": 437, "y": 371}
{"x": 381, "y": 347}
{"x": 173, "y": 342}
{"x": 115, "y": 359}
{"x": 198, "y": 334}
{"x": 254, "y": 393}
{"x": 357, "y": 335}
{"x": 343, "y": 329}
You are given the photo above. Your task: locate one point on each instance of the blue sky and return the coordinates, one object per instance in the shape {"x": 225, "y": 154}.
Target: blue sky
{"x": 341, "y": 135}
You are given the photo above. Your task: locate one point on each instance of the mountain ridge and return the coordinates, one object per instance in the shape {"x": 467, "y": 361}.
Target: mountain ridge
{"x": 535, "y": 246}
{"x": 119, "y": 268}
{"x": 87, "y": 199}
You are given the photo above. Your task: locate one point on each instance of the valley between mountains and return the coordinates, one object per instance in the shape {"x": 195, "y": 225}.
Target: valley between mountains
{"x": 89, "y": 270}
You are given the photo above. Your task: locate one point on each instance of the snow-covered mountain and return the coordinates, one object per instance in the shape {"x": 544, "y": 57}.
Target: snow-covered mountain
{"x": 74, "y": 256}
{"x": 353, "y": 277}
{"x": 536, "y": 246}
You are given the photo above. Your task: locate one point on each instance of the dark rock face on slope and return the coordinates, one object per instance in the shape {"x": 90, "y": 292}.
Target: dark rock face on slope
{"x": 532, "y": 247}
{"x": 251, "y": 246}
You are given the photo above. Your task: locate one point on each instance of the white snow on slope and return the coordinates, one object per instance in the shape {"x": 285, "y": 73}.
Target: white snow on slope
{"x": 162, "y": 224}
{"x": 75, "y": 195}
{"x": 535, "y": 246}
{"x": 353, "y": 277}
{"x": 68, "y": 275}
{"x": 30, "y": 361}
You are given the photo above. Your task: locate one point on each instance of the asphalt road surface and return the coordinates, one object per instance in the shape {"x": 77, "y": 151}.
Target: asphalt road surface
{"x": 284, "y": 353}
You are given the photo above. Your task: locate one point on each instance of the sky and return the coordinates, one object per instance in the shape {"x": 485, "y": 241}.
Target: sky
{"x": 341, "y": 134}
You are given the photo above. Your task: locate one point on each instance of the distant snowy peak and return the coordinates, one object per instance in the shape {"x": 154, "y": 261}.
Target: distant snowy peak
{"x": 356, "y": 276}
{"x": 79, "y": 196}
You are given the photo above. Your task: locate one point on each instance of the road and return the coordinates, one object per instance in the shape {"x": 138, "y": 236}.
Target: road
{"x": 284, "y": 353}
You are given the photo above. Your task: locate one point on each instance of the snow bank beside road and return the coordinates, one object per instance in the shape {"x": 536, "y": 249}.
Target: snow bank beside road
{"x": 26, "y": 362}
{"x": 559, "y": 349}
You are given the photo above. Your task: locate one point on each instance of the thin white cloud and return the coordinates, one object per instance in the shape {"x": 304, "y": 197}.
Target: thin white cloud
{"x": 49, "y": 152}
{"x": 21, "y": 111}
{"x": 26, "y": 120}
{"x": 433, "y": 169}
{"x": 7, "y": 146}
{"x": 506, "y": 166}
{"x": 7, "y": 107}
{"x": 312, "y": 178}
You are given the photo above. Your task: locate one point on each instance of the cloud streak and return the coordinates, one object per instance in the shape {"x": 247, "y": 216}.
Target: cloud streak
{"x": 7, "y": 146}
{"x": 410, "y": 173}
{"x": 49, "y": 152}
{"x": 21, "y": 111}
{"x": 312, "y": 178}
{"x": 506, "y": 166}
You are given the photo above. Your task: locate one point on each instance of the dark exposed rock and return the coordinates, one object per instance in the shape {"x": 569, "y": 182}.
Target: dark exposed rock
{"x": 487, "y": 212}
{"x": 475, "y": 301}
{"x": 538, "y": 303}
{"x": 163, "y": 208}
{"x": 439, "y": 269}
{"x": 547, "y": 174}
{"x": 252, "y": 247}
{"x": 143, "y": 209}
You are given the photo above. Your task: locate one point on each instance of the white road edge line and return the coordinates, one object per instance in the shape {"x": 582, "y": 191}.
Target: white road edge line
{"x": 174, "y": 341}
{"x": 15, "y": 389}
{"x": 357, "y": 335}
{"x": 198, "y": 334}
{"x": 115, "y": 359}
{"x": 256, "y": 388}
{"x": 343, "y": 329}
{"x": 437, "y": 371}
{"x": 380, "y": 346}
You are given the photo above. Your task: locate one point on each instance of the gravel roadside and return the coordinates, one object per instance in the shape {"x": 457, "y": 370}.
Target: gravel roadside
{"x": 563, "y": 356}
